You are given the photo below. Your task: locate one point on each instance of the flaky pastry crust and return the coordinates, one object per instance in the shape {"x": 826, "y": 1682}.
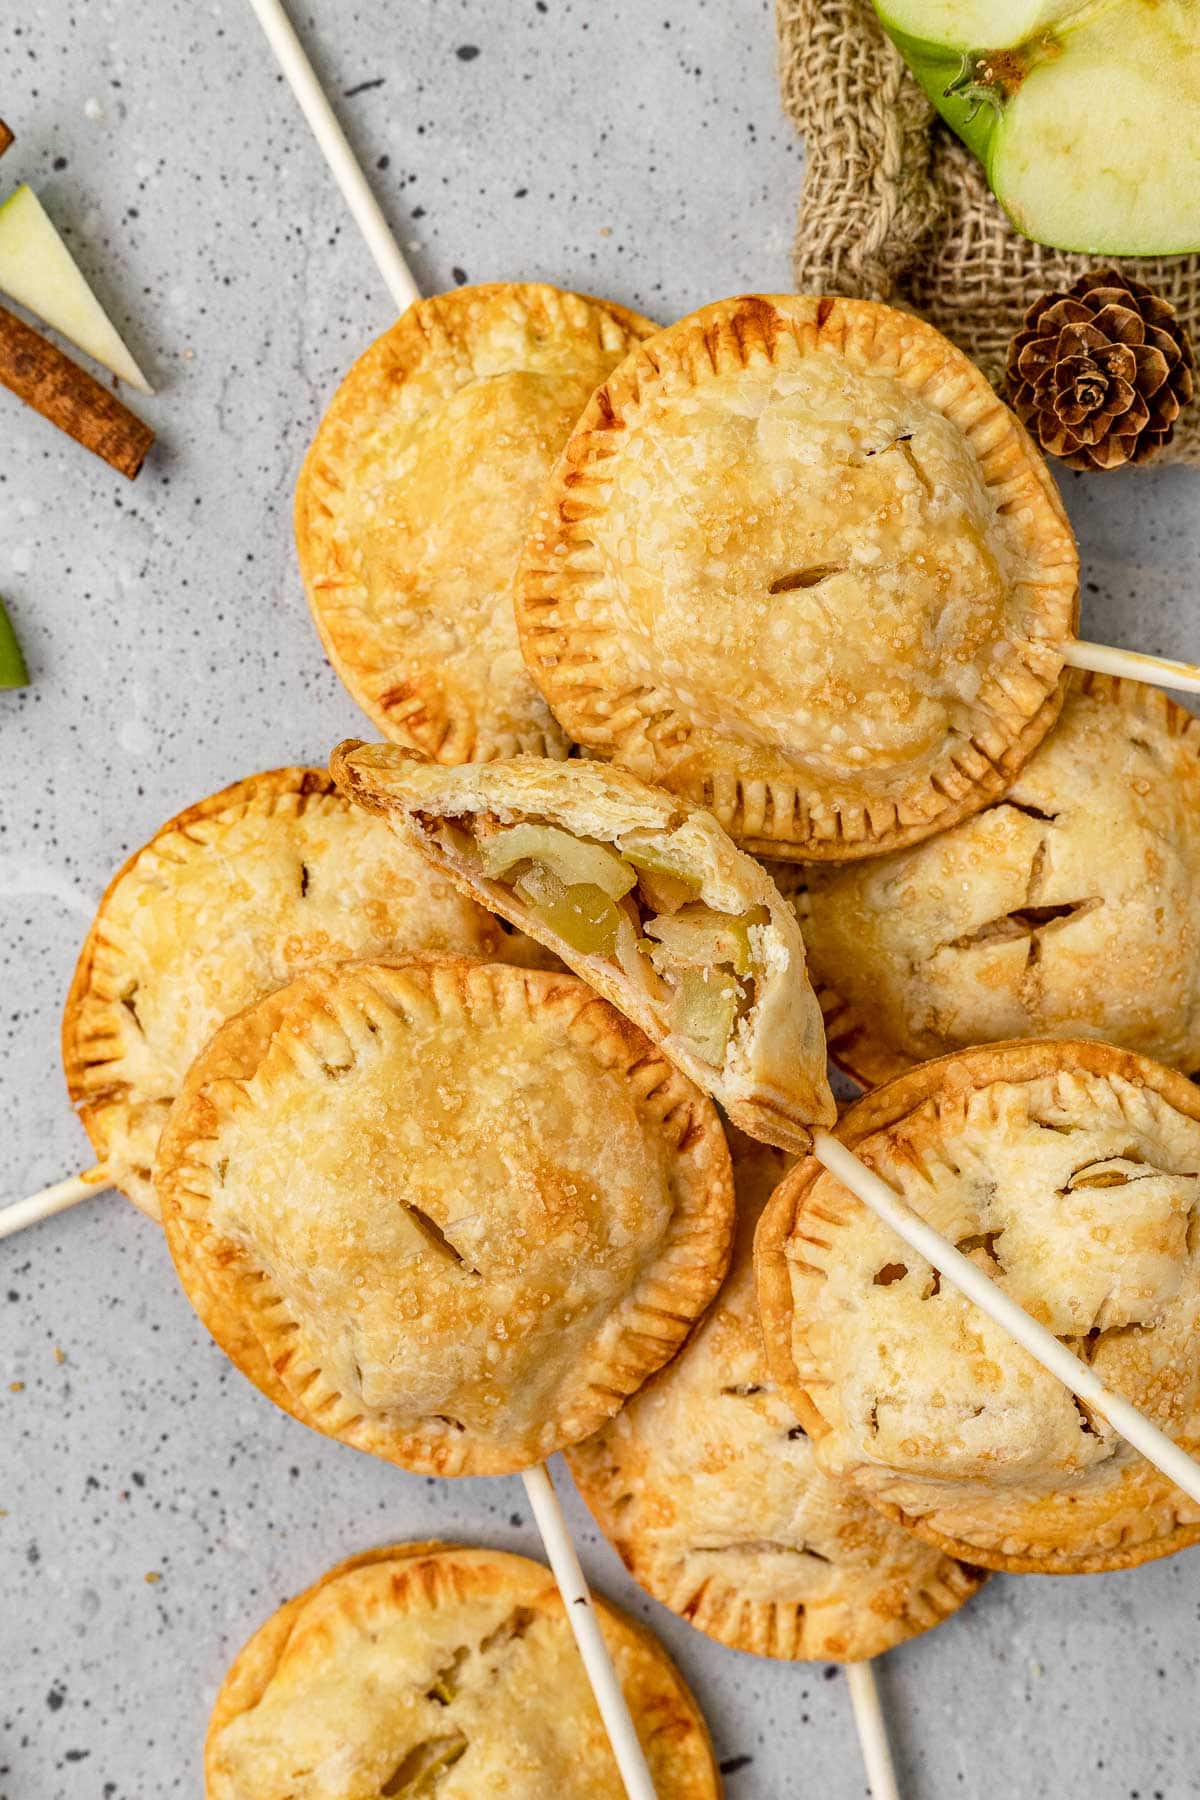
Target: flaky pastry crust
{"x": 772, "y": 1078}
{"x": 1069, "y": 908}
{"x": 799, "y": 563}
{"x": 1070, "y": 1171}
{"x": 708, "y": 1487}
{"x": 452, "y": 1213}
{"x": 233, "y": 897}
{"x": 414, "y": 499}
{"x": 446, "y": 1662}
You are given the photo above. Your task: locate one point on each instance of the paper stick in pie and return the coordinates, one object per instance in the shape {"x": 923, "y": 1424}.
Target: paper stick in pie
{"x": 800, "y": 565}
{"x": 1055, "y": 1185}
{"x": 499, "y": 829}
{"x": 871, "y": 1726}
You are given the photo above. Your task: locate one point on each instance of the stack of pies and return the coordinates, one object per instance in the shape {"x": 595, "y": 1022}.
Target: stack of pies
{"x": 422, "y": 1063}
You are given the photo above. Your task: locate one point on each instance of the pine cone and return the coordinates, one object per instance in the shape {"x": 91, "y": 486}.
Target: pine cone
{"x": 1100, "y": 374}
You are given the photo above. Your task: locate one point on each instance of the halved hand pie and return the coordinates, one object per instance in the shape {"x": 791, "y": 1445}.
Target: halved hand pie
{"x": 450, "y": 1212}
{"x": 231, "y": 898}
{"x": 799, "y": 563}
{"x": 437, "y": 1668}
{"x": 1071, "y": 1173}
{"x": 415, "y": 497}
{"x": 645, "y": 897}
{"x": 709, "y": 1489}
{"x": 1069, "y": 908}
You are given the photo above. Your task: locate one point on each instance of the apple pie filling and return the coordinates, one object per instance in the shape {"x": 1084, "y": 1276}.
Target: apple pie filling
{"x": 633, "y": 906}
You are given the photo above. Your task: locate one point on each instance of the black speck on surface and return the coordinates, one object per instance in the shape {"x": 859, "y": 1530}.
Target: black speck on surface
{"x": 733, "y": 1764}
{"x": 460, "y": 277}
{"x": 467, "y": 52}
{"x": 364, "y": 87}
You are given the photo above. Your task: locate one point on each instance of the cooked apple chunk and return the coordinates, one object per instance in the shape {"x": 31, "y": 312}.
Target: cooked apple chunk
{"x": 646, "y": 898}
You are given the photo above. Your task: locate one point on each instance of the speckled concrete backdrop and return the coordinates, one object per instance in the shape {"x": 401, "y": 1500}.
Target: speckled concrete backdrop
{"x": 155, "y": 1508}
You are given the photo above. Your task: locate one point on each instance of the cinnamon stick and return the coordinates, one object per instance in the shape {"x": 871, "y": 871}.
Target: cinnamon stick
{"x": 6, "y": 137}
{"x": 38, "y": 373}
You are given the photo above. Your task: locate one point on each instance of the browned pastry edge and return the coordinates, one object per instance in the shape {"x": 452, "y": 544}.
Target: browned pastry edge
{"x": 1019, "y": 1059}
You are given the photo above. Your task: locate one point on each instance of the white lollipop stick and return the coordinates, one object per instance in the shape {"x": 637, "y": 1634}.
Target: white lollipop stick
{"x": 341, "y": 159}
{"x": 1157, "y": 671}
{"x": 572, "y": 1585}
{"x": 872, "y": 1731}
{"x": 52, "y": 1200}
{"x": 1003, "y": 1310}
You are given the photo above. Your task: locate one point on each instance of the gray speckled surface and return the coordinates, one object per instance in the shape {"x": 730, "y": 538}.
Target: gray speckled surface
{"x": 632, "y": 149}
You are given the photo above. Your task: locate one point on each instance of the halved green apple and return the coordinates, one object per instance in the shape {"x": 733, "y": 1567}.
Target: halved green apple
{"x": 1085, "y": 116}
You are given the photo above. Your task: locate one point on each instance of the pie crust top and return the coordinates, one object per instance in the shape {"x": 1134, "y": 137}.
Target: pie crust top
{"x": 436, "y": 1668}
{"x": 1067, "y": 1171}
{"x": 693, "y": 942}
{"x": 710, "y": 1491}
{"x": 231, "y": 898}
{"x": 414, "y": 500}
{"x": 799, "y": 563}
{"x": 1070, "y": 908}
{"x": 450, "y": 1212}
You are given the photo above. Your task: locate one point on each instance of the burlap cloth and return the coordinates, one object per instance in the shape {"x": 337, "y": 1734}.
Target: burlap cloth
{"x": 895, "y": 208}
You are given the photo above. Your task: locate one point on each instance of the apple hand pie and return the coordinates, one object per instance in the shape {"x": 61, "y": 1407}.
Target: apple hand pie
{"x": 643, "y": 896}
{"x": 1069, "y": 908}
{"x": 1070, "y": 1172}
{"x": 798, "y": 563}
{"x": 452, "y": 1213}
{"x": 437, "y": 1668}
{"x": 231, "y": 898}
{"x": 709, "y": 1489}
{"x": 414, "y": 500}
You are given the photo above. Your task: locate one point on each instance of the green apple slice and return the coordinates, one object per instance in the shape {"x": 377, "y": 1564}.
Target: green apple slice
{"x": 13, "y": 673}
{"x": 1088, "y": 126}
{"x": 39, "y": 272}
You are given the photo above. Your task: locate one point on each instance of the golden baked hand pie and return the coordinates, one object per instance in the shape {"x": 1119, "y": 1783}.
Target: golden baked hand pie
{"x": 799, "y": 563}
{"x": 415, "y": 497}
{"x": 644, "y": 897}
{"x": 1070, "y": 908}
{"x": 1070, "y": 1172}
{"x": 709, "y": 1488}
{"x": 437, "y": 1669}
{"x": 449, "y": 1212}
{"x": 231, "y": 898}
